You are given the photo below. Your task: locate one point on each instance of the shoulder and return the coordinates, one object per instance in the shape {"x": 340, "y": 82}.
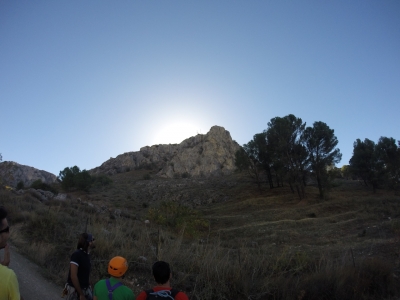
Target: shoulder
{"x": 6, "y": 272}
{"x": 128, "y": 292}
{"x": 99, "y": 283}
{"x": 76, "y": 254}
{"x": 142, "y": 296}
{"x": 181, "y": 296}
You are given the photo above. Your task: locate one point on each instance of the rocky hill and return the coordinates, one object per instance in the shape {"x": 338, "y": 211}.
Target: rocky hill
{"x": 11, "y": 173}
{"x": 201, "y": 155}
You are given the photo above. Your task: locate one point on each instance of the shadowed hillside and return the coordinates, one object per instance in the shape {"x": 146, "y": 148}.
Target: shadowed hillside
{"x": 224, "y": 239}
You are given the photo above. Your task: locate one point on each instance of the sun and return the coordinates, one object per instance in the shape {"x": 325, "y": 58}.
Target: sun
{"x": 175, "y": 133}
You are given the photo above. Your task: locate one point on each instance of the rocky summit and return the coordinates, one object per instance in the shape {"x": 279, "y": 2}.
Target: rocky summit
{"x": 11, "y": 173}
{"x": 201, "y": 155}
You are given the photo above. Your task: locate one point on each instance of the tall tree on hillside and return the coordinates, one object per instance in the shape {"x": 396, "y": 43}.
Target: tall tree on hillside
{"x": 366, "y": 164}
{"x": 259, "y": 148}
{"x": 345, "y": 170}
{"x": 284, "y": 141}
{"x": 320, "y": 142}
{"x": 74, "y": 177}
{"x": 388, "y": 154}
{"x": 247, "y": 162}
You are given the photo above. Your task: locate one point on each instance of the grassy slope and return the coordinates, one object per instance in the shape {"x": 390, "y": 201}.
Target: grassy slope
{"x": 271, "y": 229}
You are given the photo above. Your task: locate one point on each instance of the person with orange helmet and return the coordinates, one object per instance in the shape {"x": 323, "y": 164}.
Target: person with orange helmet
{"x": 112, "y": 288}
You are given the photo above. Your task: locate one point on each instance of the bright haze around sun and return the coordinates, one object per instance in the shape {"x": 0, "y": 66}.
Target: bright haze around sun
{"x": 83, "y": 81}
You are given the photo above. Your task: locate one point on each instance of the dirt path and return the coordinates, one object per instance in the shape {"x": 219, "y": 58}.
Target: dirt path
{"x": 32, "y": 285}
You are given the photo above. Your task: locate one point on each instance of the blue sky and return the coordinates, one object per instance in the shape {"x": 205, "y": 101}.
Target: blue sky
{"x": 83, "y": 81}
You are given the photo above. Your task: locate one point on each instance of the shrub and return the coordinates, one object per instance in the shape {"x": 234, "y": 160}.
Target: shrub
{"x": 177, "y": 216}
{"x": 101, "y": 180}
{"x": 185, "y": 175}
{"x": 39, "y": 185}
{"x": 20, "y": 185}
{"x": 75, "y": 178}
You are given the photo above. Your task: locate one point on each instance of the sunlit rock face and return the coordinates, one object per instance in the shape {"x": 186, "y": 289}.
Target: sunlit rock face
{"x": 11, "y": 173}
{"x": 201, "y": 155}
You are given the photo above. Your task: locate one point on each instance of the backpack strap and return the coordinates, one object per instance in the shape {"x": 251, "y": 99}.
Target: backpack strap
{"x": 111, "y": 289}
{"x": 162, "y": 294}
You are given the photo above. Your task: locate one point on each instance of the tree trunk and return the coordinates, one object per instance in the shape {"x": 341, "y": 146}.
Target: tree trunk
{"x": 321, "y": 192}
{"x": 269, "y": 176}
{"x": 291, "y": 187}
{"x": 298, "y": 191}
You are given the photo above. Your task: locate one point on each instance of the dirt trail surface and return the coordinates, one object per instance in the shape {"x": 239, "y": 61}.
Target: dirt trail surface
{"x": 32, "y": 285}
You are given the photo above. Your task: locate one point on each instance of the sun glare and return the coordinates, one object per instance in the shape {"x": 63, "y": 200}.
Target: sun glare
{"x": 175, "y": 133}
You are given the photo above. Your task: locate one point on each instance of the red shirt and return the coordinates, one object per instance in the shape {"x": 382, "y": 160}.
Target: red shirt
{"x": 179, "y": 296}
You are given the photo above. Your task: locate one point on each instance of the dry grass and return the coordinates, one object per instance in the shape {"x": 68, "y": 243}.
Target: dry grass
{"x": 257, "y": 246}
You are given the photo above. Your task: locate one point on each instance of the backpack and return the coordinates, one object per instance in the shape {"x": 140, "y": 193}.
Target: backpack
{"x": 160, "y": 295}
{"x": 111, "y": 289}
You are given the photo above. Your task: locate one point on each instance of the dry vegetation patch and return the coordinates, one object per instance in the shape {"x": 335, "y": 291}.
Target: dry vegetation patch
{"x": 254, "y": 246}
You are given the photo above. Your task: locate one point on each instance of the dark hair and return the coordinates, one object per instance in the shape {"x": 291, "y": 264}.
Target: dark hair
{"x": 83, "y": 241}
{"x": 3, "y": 215}
{"x": 161, "y": 272}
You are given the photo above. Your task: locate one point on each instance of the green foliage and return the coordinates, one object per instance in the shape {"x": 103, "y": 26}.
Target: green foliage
{"x": 101, "y": 180}
{"x": 39, "y": 185}
{"x": 246, "y": 160}
{"x": 75, "y": 178}
{"x": 389, "y": 155}
{"x": 320, "y": 143}
{"x": 178, "y": 217}
{"x": 345, "y": 170}
{"x": 287, "y": 152}
{"x": 376, "y": 164}
{"x": 20, "y": 185}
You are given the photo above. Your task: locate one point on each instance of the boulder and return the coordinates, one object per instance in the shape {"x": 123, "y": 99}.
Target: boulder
{"x": 61, "y": 197}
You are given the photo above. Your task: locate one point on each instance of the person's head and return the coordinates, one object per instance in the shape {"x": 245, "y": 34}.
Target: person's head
{"x": 4, "y": 228}
{"x": 85, "y": 241}
{"x": 117, "y": 266}
{"x": 161, "y": 272}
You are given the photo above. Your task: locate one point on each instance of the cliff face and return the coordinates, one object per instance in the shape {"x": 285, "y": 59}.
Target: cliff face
{"x": 11, "y": 173}
{"x": 201, "y": 155}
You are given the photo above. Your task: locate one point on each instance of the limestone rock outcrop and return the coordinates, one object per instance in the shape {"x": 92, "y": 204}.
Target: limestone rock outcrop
{"x": 11, "y": 173}
{"x": 201, "y": 155}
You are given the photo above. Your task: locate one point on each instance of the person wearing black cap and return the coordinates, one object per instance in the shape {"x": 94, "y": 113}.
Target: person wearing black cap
{"x": 78, "y": 283}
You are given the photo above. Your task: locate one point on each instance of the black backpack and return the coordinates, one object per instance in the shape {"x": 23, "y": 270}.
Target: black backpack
{"x": 161, "y": 295}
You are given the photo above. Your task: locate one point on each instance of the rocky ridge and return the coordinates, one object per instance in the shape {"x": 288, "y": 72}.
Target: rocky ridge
{"x": 202, "y": 155}
{"x": 11, "y": 173}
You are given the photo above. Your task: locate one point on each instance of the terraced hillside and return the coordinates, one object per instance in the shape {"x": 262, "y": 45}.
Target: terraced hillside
{"x": 251, "y": 245}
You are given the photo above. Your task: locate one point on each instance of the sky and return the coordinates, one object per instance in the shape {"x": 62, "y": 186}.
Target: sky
{"x": 83, "y": 81}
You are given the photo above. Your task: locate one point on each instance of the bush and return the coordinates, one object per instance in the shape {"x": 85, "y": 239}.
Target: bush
{"x": 186, "y": 175}
{"x": 75, "y": 178}
{"x": 101, "y": 180}
{"x": 39, "y": 185}
{"x": 20, "y": 185}
{"x": 176, "y": 216}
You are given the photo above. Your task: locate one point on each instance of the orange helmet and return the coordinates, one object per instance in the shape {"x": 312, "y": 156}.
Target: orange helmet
{"x": 117, "y": 266}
